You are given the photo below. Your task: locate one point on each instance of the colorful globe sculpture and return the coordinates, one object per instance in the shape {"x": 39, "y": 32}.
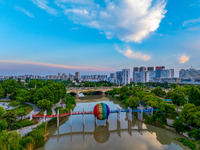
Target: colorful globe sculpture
{"x": 101, "y": 111}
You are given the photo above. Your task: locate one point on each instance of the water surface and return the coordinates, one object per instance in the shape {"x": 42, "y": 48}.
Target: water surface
{"x": 126, "y": 135}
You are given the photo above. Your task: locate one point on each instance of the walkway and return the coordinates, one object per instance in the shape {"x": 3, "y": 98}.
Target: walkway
{"x": 36, "y": 110}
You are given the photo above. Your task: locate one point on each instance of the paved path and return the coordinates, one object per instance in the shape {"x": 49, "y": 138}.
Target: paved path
{"x": 36, "y": 110}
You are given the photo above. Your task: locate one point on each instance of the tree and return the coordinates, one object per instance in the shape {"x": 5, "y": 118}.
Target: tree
{"x": 178, "y": 125}
{"x": 3, "y": 125}
{"x": 2, "y": 91}
{"x": 58, "y": 90}
{"x": 159, "y": 92}
{"x": 179, "y": 99}
{"x": 187, "y": 114}
{"x": 43, "y": 93}
{"x": 2, "y": 111}
{"x": 132, "y": 102}
{"x": 10, "y": 140}
{"x": 196, "y": 120}
{"x": 22, "y": 95}
{"x": 10, "y": 86}
{"x": 27, "y": 142}
{"x": 195, "y": 133}
{"x": 10, "y": 117}
{"x": 173, "y": 85}
{"x": 170, "y": 94}
{"x": 35, "y": 83}
{"x": 21, "y": 112}
{"x": 194, "y": 96}
{"x": 44, "y": 104}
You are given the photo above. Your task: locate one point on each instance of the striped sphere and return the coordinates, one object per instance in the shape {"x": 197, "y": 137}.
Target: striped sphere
{"x": 101, "y": 111}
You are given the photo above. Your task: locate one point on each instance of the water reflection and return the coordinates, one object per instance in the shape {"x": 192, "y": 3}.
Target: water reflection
{"x": 101, "y": 134}
{"x": 111, "y": 136}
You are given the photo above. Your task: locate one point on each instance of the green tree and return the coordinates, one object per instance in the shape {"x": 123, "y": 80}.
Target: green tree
{"x": 159, "y": 92}
{"x": 187, "y": 114}
{"x": 27, "y": 142}
{"x": 173, "y": 85}
{"x": 10, "y": 86}
{"x": 2, "y": 91}
{"x": 3, "y": 125}
{"x": 2, "y": 111}
{"x": 35, "y": 83}
{"x": 179, "y": 99}
{"x": 10, "y": 140}
{"x": 38, "y": 137}
{"x": 132, "y": 102}
{"x": 194, "y": 96}
{"x": 178, "y": 125}
{"x": 195, "y": 133}
{"x": 43, "y": 93}
{"x": 22, "y": 96}
{"x": 170, "y": 94}
{"x": 10, "y": 117}
{"x": 21, "y": 112}
{"x": 196, "y": 120}
{"x": 44, "y": 104}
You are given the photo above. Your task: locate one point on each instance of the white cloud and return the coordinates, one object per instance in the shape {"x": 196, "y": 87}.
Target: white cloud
{"x": 129, "y": 53}
{"x": 43, "y": 4}
{"x": 183, "y": 59}
{"x": 24, "y": 11}
{"x": 191, "y": 22}
{"x": 128, "y": 20}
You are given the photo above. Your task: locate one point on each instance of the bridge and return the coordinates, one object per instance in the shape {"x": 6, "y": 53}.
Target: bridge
{"x": 89, "y": 89}
{"x": 149, "y": 111}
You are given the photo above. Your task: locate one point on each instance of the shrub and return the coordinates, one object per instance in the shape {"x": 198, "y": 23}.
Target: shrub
{"x": 14, "y": 103}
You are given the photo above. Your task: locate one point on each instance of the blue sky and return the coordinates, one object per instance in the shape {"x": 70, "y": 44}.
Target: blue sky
{"x": 92, "y": 36}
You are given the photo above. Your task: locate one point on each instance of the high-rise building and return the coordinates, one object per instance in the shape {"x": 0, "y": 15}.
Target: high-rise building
{"x": 144, "y": 76}
{"x": 112, "y": 78}
{"x": 143, "y": 69}
{"x": 77, "y": 75}
{"x": 136, "y": 69}
{"x": 150, "y": 68}
{"x": 123, "y": 77}
{"x": 136, "y": 77}
{"x": 59, "y": 75}
{"x": 189, "y": 73}
{"x": 126, "y": 76}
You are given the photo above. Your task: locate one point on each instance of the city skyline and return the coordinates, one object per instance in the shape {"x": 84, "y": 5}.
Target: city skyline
{"x": 46, "y": 37}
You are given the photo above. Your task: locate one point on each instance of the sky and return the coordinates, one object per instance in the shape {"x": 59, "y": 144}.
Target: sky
{"x": 97, "y": 36}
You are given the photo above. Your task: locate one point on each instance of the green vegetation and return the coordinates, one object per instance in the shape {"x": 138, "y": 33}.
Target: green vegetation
{"x": 188, "y": 143}
{"x": 44, "y": 94}
{"x": 189, "y": 116}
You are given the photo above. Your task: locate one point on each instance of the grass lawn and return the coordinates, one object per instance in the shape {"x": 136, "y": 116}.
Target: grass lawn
{"x": 24, "y": 107}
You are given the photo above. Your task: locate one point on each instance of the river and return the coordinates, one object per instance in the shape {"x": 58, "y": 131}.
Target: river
{"x": 126, "y": 135}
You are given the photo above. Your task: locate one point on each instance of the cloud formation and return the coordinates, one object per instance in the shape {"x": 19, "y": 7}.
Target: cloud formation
{"x": 24, "y": 11}
{"x": 99, "y": 68}
{"x": 183, "y": 59}
{"x": 191, "y": 22}
{"x": 43, "y": 4}
{"x": 128, "y": 20}
{"x": 129, "y": 53}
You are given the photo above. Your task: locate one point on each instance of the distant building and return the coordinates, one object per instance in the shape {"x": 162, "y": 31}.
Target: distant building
{"x": 112, "y": 78}
{"x": 143, "y": 69}
{"x": 77, "y": 75}
{"x": 123, "y": 77}
{"x": 136, "y": 69}
{"x": 150, "y": 68}
{"x": 189, "y": 73}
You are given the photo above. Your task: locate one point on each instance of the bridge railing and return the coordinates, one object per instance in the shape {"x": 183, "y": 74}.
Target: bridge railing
{"x": 91, "y": 112}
